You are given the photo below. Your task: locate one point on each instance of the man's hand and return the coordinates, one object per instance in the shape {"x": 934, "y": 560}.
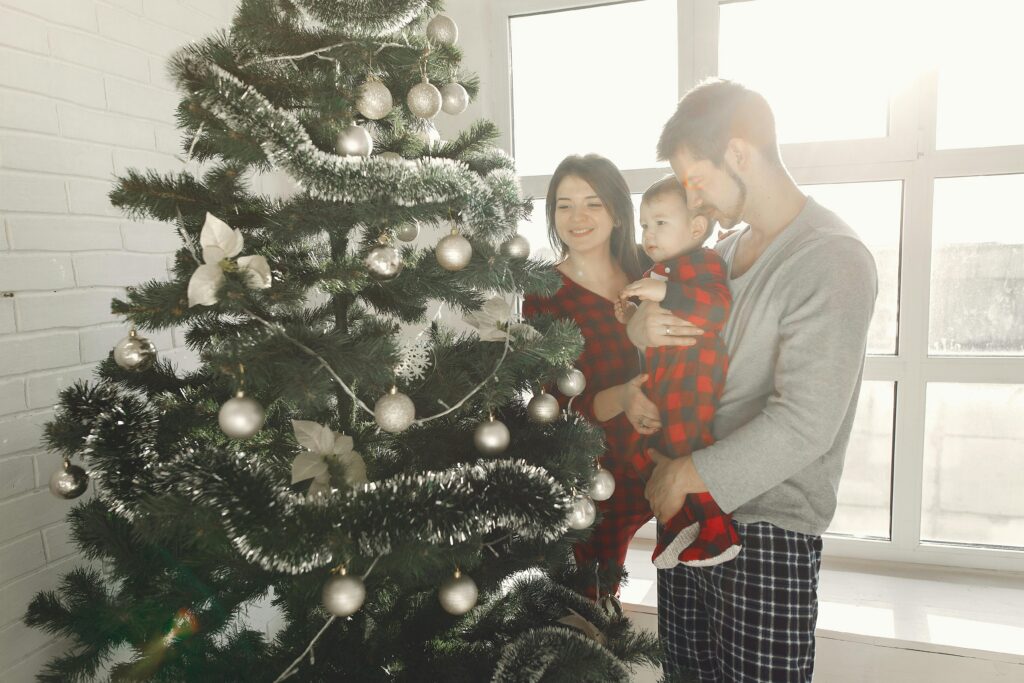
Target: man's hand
{"x": 640, "y": 410}
{"x": 670, "y": 483}
{"x": 645, "y": 289}
{"x": 653, "y": 325}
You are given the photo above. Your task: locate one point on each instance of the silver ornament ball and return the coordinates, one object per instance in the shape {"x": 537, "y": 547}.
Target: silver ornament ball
{"x": 543, "y": 408}
{"x": 458, "y": 594}
{"x": 384, "y": 262}
{"x": 454, "y": 252}
{"x": 134, "y": 352}
{"x": 241, "y": 417}
{"x": 454, "y": 99}
{"x": 583, "y": 513}
{"x": 424, "y": 100}
{"x": 408, "y": 232}
{"x": 491, "y": 437}
{"x": 374, "y": 100}
{"x": 517, "y": 247}
{"x": 394, "y": 412}
{"x": 428, "y": 135}
{"x": 343, "y": 595}
{"x": 443, "y": 29}
{"x": 354, "y": 141}
{"x": 572, "y": 382}
{"x": 70, "y": 481}
{"x": 602, "y": 485}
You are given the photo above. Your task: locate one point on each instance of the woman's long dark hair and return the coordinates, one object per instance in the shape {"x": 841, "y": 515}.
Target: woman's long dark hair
{"x": 611, "y": 187}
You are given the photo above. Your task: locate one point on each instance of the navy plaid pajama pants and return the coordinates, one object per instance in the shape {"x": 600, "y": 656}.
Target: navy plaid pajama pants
{"x": 750, "y": 620}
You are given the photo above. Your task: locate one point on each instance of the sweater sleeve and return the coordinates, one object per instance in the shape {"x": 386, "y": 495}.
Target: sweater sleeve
{"x": 701, "y": 294}
{"x": 830, "y": 298}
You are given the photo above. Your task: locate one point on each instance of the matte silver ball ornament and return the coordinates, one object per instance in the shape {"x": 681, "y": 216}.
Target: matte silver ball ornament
{"x": 517, "y": 247}
{"x": 458, "y": 594}
{"x": 583, "y": 513}
{"x": 343, "y": 595}
{"x": 443, "y": 29}
{"x": 135, "y": 352}
{"x": 407, "y": 232}
{"x": 241, "y": 417}
{"x": 491, "y": 437}
{"x": 602, "y": 485}
{"x": 70, "y": 481}
{"x": 454, "y": 252}
{"x": 375, "y": 100}
{"x": 394, "y": 411}
{"x": 543, "y": 408}
{"x": 424, "y": 100}
{"x": 454, "y": 99}
{"x": 572, "y": 382}
{"x": 428, "y": 135}
{"x": 384, "y": 262}
{"x": 354, "y": 141}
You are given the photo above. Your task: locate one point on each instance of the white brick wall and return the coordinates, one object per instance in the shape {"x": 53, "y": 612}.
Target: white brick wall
{"x": 84, "y": 94}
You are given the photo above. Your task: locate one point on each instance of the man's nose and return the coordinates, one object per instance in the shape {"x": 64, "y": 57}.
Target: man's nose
{"x": 693, "y": 200}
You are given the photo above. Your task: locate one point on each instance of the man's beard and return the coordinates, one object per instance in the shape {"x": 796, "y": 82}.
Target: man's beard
{"x": 729, "y": 221}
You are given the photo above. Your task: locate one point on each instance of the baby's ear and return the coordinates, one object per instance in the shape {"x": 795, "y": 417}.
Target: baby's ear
{"x": 699, "y": 228}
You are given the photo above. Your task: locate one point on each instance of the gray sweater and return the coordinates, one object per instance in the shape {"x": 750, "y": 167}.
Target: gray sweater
{"x": 796, "y": 337}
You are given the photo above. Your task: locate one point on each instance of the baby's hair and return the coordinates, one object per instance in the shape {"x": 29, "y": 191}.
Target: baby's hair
{"x": 670, "y": 185}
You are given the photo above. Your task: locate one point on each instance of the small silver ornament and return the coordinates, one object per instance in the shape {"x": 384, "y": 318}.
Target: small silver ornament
{"x": 453, "y": 252}
{"x": 354, "y": 141}
{"x": 374, "y": 100}
{"x": 424, "y": 100}
{"x": 394, "y": 411}
{"x": 458, "y": 594}
{"x": 583, "y": 513}
{"x": 428, "y": 135}
{"x": 602, "y": 485}
{"x": 543, "y": 408}
{"x": 443, "y": 29}
{"x": 572, "y": 382}
{"x": 384, "y": 262}
{"x": 491, "y": 437}
{"x": 241, "y": 417}
{"x": 343, "y": 595}
{"x": 70, "y": 481}
{"x": 454, "y": 99}
{"x": 517, "y": 247}
{"x": 407, "y": 232}
{"x": 135, "y": 352}
{"x": 391, "y": 156}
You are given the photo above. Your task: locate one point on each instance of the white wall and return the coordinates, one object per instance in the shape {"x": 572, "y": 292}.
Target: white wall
{"x": 83, "y": 95}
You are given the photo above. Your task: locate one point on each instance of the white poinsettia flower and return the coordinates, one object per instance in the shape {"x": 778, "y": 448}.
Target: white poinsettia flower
{"x": 221, "y": 242}
{"x": 492, "y": 319}
{"x": 321, "y": 444}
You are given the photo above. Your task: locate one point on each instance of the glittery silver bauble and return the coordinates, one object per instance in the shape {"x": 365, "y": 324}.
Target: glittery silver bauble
{"x": 70, "y": 481}
{"x": 572, "y": 383}
{"x": 343, "y": 595}
{"x": 458, "y": 594}
{"x": 134, "y": 352}
{"x": 543, "y": 408}
{"x": 384, "y": 262}
{"x": 391, "y": 156}
{"x": 428, "y": 135}
{"x": 602, "y": 486}
{"x": 583, "y": 513}
{"x": 454, "y": 99}
{"x": 354, "y": 141}
{"x": 517, "y": 247}
{"x": 491, "y": 437}
{"x": 374, "y": 100}
{"x": 454, "y": 252}
{"x": 424, "y": 100}
{"x": 241, "y": 417}
{"x": 407, "y": 232}
{"x": 394, "y": 412}
{"x": 443, "y": 29}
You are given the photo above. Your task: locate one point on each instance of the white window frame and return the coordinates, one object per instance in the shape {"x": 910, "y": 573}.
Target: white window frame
{"x": 907, "y": 154}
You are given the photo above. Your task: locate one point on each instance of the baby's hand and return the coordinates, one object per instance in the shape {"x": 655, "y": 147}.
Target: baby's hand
{"x": 624, "y": 310}
{"x": 645, "y": 289}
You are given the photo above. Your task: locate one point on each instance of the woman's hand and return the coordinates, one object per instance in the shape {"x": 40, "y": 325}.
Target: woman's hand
{"x": 653, "y": 325}
{"x": 640, "y": 410}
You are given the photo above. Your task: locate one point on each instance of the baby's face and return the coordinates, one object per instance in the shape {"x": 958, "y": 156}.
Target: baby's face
{"x": 667, "y": 227}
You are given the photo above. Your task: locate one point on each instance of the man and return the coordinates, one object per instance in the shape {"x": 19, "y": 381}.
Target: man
{"x": 803, "y": 287}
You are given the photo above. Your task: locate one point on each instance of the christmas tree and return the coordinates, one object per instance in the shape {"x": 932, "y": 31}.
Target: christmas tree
{"x": 381, "y": 476}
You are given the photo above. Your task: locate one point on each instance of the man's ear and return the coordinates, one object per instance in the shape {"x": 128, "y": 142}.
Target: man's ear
{"x": 738, "y": 153}
{"x": 698, "y": 226}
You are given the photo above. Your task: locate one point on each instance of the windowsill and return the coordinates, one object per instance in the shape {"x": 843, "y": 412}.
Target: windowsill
{"x": 959, "y": 612}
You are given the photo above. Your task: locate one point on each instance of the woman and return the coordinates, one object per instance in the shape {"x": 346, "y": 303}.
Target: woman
{"x": 591, "y": 227}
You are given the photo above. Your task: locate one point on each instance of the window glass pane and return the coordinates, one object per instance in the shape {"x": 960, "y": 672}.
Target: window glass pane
{"x": 600, "y": 79}
{"x": 826, "y": 68}
{"x": 874, "y": 210}
{"x": 974, "y": 465}
{"x": 865, "y": 489}
{"x": 977, "y": 281}
{"x": 979, "y": 55}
